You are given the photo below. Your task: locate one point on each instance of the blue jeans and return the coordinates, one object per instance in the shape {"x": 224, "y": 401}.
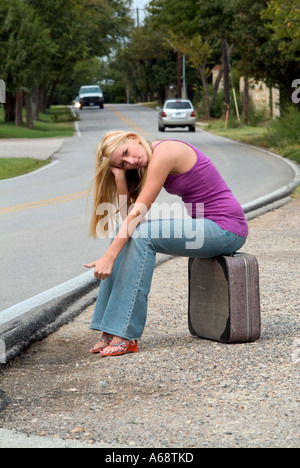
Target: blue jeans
{"x": 121, "y": 307}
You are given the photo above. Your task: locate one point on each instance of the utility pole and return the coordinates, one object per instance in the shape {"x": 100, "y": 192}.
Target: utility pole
{"x": 137, "y": 17}
{"x": 226, "y": 79}
{"x": 184, "y": 77}
{"x": 178, "y": 74}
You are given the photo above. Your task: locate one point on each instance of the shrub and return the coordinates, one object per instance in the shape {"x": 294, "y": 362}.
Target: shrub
{"x": 64, "y": 115}
{"x": 286, "y": 129}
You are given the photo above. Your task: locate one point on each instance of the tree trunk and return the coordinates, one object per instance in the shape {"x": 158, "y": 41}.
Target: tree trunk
{"x": 29, "y": 115}
{"x": 10, "y": 108}
{"x": 19, "y": 105}
{"x": 179, "y": 75}
{"x": 246, "y": 103}
{"x": 51, "y": 95}
{"x": 42, "y": 99}
{"x": 205, "y": 92}
{"x": 226, "y": 75}
{"x": 216, "y": 85}
{"x": 35, "y": 102}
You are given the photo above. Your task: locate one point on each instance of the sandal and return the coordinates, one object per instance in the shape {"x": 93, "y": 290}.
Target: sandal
{"x": 127, "y": 346}
{"x": 106, "y": 340}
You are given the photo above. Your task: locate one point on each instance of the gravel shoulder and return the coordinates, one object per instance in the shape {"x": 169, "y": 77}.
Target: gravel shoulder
{"x": 179, "y": 391}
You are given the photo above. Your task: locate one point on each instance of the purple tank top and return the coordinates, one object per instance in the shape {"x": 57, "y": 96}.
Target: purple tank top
{"x": 203, "y": 185}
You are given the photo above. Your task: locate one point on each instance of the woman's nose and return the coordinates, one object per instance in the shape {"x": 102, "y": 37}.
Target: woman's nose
{"x": 132, "y": 161}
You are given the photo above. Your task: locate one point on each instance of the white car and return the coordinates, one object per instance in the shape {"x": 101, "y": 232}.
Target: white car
{"x": 90, "y": 96}
{"x": 177, "y": 113}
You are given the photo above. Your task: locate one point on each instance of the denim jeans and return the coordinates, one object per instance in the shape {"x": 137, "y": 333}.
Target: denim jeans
{"x": 121, "y": 307}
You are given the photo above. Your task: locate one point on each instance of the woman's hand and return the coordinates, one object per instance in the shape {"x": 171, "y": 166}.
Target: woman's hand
{"x": 119, "y": 173}
{"x": 103, "y": 267}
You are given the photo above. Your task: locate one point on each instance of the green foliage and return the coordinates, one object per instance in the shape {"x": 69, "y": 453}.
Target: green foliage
{"x": 291, "y": 152}
{"x": 280, "y": 136}
{"x": 45, "y": 127}
{"x": 284, "y": 21}
{"x": 257, "y": 116}
{"x": 25, "y": 46}
{"x": 145, "y": 65}
{"x": 264, "y": 34}
{"x": 285, "y": 130}
{"x": 64, "y": 114}
{"x": 42, "y": 42}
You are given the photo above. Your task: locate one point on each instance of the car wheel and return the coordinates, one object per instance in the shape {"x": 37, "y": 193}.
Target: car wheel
{"x": 192, "y": 128}
{"x": 161, "y": 129}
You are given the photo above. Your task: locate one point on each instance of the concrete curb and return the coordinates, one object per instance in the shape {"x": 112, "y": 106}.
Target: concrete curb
{"x": 38, "y": 317}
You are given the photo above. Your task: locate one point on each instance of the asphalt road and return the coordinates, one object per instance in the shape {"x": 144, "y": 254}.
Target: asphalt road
{"x": 44, "y": 237}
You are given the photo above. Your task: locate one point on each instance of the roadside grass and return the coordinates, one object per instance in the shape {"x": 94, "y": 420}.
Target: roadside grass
{"x": 280, "y": 136}
{"x": 296, "y": 193}
{"x": 19, "y": 166}
{"x": 56, "y": 123}
{"x": 45, "y": 127}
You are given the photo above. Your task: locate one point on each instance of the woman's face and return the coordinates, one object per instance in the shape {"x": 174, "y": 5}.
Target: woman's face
{"x": 129, "y": 155}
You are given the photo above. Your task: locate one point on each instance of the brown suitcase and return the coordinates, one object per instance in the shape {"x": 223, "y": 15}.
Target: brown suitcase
{"x": 224, "y": 302}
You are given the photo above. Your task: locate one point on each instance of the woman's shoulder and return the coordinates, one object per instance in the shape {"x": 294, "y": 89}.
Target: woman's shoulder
{"x": 173, "y": 145}
{"x": 178, "y": 154}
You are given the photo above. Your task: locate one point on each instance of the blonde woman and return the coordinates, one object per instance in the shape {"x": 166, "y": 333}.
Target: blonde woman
{"x": 131, "y": 172}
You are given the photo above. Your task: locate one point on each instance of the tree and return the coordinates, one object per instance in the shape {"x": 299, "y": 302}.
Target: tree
{"x": 197, "y": 51}
{"x": 283, "y": 18}
{"x": 80, "y": 29}
{"x": 261, "y": 53}
{"x": 27, "y": 49}
{"x": 146, "y": 62}
{"x": 41, "y": 42}
{"x": 263, "y": 34}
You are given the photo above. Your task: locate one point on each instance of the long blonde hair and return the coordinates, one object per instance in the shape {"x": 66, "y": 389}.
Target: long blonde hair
{"x": 104, "y": 186}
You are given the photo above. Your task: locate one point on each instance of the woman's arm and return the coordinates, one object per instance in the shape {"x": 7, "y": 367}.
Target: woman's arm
{"x": 122, "y": 190}
{"x": 158, "y": 170}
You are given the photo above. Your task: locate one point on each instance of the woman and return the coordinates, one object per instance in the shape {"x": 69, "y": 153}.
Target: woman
{"x": 133, "y": 170}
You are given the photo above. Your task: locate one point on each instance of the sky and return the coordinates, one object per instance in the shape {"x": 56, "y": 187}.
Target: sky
{"x": 140, "y": 4}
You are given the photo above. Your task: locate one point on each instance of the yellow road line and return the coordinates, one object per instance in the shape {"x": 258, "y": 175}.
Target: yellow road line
{"x": 50, "y": 201}
{"x": 74, "y": 196}
{"x": 126, "y": 120}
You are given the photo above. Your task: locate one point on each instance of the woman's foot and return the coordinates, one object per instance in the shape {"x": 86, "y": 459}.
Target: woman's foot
{"x": 103, "y": 343}
{"x": 119, "y": 346}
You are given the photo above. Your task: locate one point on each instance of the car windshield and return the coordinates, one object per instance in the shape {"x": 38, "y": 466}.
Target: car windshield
{"x": 178, "y": 105}
{"x": 94, "y": 89}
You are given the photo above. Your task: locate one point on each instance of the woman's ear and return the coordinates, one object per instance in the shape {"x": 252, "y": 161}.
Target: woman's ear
{"x": 134, "y": 137}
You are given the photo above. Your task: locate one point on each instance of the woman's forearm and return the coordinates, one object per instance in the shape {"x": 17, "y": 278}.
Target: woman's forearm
{"x": 123, "y": 193}
{"x": 128, "y": 227}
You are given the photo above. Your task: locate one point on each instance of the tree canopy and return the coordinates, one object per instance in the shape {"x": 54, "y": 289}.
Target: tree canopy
{"x": 42, "y": 42}
{"x": 47, "y": 47}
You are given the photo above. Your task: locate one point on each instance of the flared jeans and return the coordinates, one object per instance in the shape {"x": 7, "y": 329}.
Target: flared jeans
{"x": 121, "y": 307}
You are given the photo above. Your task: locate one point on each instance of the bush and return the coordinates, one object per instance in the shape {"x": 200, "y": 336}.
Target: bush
{"x": 286, "y": 129}
{"x": 257, "y": 116}
{"x": 64, "y": 115}
{"x": 292, "y": 152}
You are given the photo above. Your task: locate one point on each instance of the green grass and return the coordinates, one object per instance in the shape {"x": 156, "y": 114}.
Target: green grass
{"x": 43, "y": 128}
{"x": 18, "y": 166}
{"x": 296, "y": 193}
{"x": 264, "y": 136}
